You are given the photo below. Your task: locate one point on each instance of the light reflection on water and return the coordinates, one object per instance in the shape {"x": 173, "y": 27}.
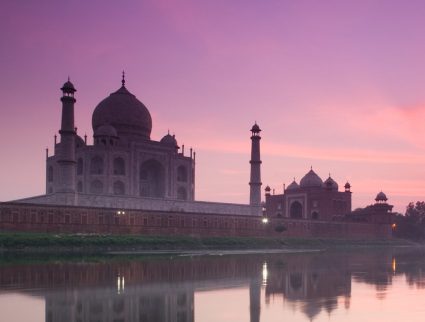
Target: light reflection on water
{"x": 385, "y": 285}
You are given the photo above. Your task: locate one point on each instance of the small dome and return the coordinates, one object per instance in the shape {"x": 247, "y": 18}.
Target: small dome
{"x": 255, "y": 128}
{"x": 347, "y": 185}
{"x": 294, "y": 185}
{"x": 330, "y": 184}
{"x": 106, "y": 130}
{"x": 310, "y": 180}
{"x": 125, "y": 113}
{"x": 169, "y": 140}
{"x": 68, "y": 87}
{"x": 268, "y": 189}
{"x": 380, "y": 197}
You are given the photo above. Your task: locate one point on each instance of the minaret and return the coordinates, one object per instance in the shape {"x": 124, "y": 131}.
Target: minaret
{"x": 255, "y": 182}
{"x": 66, "y": 155}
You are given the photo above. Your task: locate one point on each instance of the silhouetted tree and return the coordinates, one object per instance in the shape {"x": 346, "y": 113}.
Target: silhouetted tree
{"x": 359, "y": 214}
{"x": 362, "y": 211}
{"x": 411, "y": 225}
{"x": 416, "y": 211}
{"x": 280, "y": 228}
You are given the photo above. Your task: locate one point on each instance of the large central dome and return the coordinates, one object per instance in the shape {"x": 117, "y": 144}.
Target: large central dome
{"x": 125, "y": 113}
{"x": 311, "y": 180}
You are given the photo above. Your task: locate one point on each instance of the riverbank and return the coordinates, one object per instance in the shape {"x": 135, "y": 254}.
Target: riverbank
{"x": 95, "y": 243}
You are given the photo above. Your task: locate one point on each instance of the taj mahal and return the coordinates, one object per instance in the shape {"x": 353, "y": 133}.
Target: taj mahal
{"x": 123, "y": 160}
{"x": 124, "y": 167}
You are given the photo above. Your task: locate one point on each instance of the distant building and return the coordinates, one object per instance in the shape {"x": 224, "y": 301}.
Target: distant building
{"x": 310, "y": 199}
{"x": 378, "y": 213}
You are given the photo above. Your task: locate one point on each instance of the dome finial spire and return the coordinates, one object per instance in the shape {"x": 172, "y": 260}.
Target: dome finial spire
{"x": 123, "y": 79}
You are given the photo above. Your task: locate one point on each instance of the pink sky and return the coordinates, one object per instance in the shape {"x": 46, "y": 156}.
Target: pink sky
{"x": 337, "y": 85}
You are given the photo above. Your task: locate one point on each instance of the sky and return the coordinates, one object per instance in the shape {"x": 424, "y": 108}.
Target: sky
{"x": 334, "y": 85}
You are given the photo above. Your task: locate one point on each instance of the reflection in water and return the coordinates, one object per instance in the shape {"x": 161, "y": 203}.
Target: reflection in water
{"x": 120, "y": 284}
{"x": 135, "y": 304}
{"x": 315, "y": 280}
{"x": 265, "y": 274}
{"x": 140, "y": 289}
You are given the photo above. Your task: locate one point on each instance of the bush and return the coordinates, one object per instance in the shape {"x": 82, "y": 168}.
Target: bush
{"x": 280, "y": 228}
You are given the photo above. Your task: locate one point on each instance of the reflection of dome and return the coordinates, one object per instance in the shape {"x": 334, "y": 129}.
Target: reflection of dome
{"x": 106, "y": 130}
{"x": 293, "y": 185}
{"x": 125, "y": 113}
{"x": 311, "y": 179}
{"x": 330, "y": 304}
{"x": 381, "y": 197}
{"x": 312, "y": 309}
{"x": 169, "y": 140}
{"x": 330, "y": 184}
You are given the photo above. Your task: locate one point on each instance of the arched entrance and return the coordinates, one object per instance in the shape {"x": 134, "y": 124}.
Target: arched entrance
{"x": 96, "y": 165}
{"x": 119, "y": 166}
{"x": 181, "y": 174}
{"x": 296, "y": 210}
{"x": 152, "y": 179}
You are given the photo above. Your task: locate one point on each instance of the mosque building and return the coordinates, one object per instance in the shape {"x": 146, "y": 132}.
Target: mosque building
{"x": 311, "y": 199}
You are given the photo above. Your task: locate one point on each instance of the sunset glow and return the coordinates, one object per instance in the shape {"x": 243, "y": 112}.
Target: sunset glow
{"x": 335, "y": 85}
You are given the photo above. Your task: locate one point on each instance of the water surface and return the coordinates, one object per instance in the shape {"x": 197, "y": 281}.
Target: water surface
{"x": 364, "y": 285}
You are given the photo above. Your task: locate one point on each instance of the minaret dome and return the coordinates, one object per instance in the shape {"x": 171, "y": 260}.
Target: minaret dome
{"x": 68, "y": 89}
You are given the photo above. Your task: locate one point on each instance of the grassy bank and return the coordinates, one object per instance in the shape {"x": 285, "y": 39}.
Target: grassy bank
{"x": 95, "y": 243}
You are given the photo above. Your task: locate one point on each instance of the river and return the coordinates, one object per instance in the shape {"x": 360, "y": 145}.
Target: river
{"x": 350, "y": 285}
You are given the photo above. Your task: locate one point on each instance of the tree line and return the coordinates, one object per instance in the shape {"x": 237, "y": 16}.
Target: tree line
{"x": 411, "y": 225}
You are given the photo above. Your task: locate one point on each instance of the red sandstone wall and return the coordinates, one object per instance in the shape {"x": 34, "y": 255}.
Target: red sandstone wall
{"x": 67, "y": 219}
{"x": 330, "y": 229}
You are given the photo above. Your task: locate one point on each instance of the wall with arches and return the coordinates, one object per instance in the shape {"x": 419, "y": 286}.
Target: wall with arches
{"x": 148, "y": 169}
